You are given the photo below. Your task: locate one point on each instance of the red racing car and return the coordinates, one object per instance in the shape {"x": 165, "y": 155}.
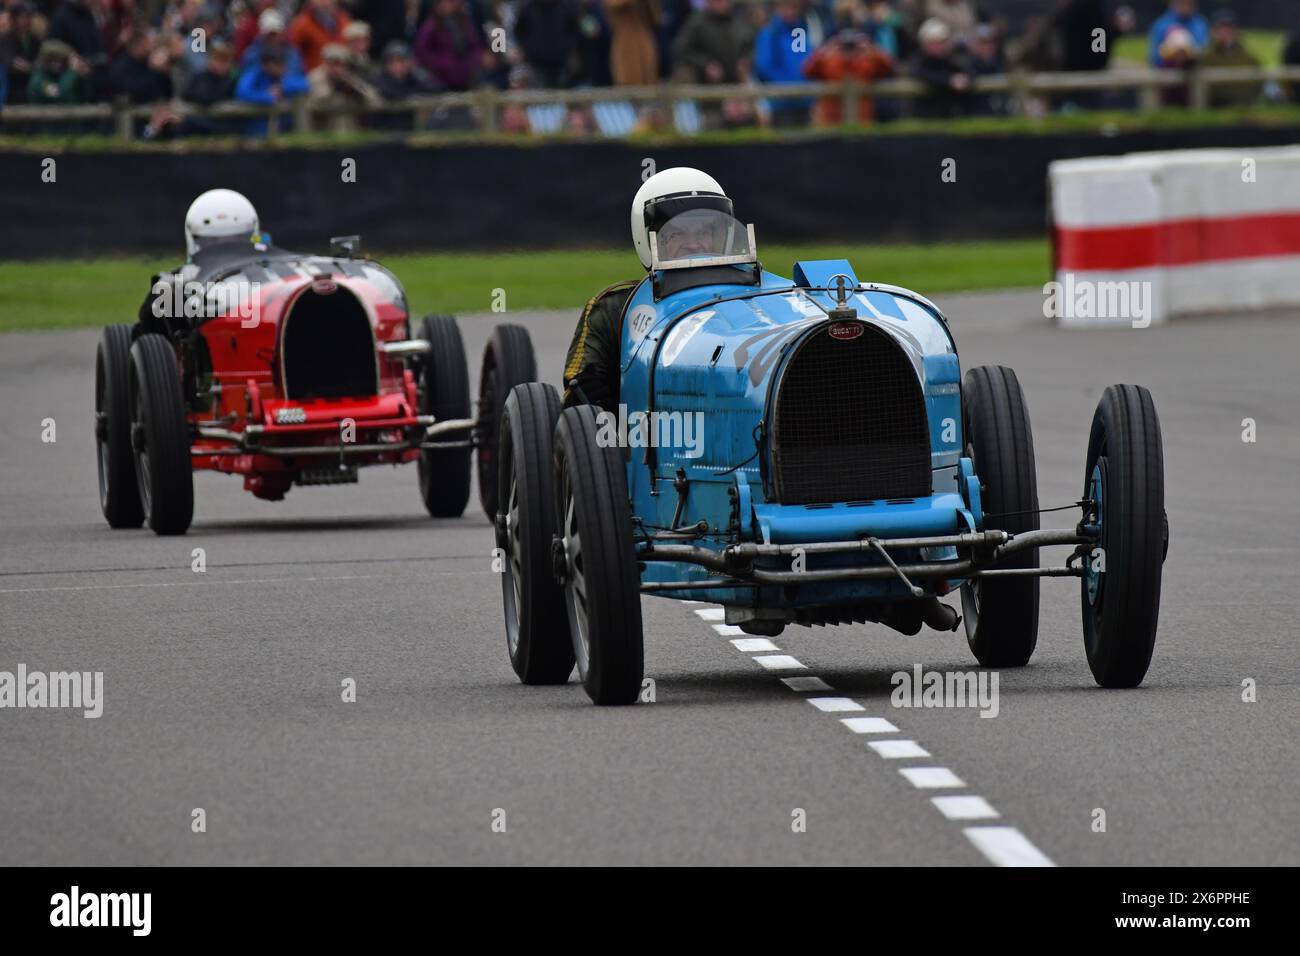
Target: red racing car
{"x": 290, "y": 369}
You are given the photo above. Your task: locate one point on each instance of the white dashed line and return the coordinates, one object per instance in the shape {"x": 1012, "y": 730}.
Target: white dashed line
{"x": 964, "y": 808}
{"x": 1001, "y": 845}
{"x": 801, "y": 684}
{"x": 869, "y": 725}
{"x": 750, "y": 644}
{"x": 1006, "y": 846}
{"x": 780, "y": 662}
{"x": 931, "y": 778}
{"x": 898, "y": 749}
{"x": 833, "y": 705}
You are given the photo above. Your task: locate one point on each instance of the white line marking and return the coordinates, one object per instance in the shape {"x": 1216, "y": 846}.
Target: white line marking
{"x": 964, "y": 808}
{"x": 1006, "y": 846}
{"x": 1001, "y": 845}
{"x": 898, "y": 749}
{"x": 805, "y": 683}
{"x": 869, "y": 725}
{"x": 750, "y": 644}
{"x": 187, "y": 584}
{"x": 931, "y": 778}
{"x": 831, "y": 705}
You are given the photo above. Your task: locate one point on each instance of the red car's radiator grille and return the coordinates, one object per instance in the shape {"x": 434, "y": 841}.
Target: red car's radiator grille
{"x": 328, "y": 347}
{"x": 850, "y": 422}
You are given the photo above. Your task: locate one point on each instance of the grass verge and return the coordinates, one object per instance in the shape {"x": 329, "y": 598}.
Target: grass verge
{"x": 65, "y": 294}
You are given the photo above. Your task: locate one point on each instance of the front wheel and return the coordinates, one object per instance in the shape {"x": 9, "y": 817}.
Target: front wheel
{"x": 160, "y": 436}
{"x": 119, "y": 494}
{"x": 596, "y": 560}
{"x": 508, "y": 361}
{"x": 537, "y": 631}
{"x": 444, "y": 394}
{"x": 1001, "y": 614}
{"x": 1124, "y": 481}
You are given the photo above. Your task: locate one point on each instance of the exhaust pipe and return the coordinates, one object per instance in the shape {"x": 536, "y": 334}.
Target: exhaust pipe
{"x": 939, "y": 616}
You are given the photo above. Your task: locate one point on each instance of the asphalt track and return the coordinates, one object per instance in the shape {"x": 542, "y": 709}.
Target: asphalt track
{"x": 223, "y": 689}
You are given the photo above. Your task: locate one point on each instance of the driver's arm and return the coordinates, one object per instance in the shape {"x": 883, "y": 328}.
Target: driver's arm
{"x": 147, "y": 315}
{"x": 594, "y": 353}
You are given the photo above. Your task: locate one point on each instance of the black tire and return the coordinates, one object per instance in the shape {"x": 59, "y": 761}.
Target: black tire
{"x": 1001, "y": 615}
{"x": 602, "y": 583}
{"x": 119, "y": 494}
{"x": 537, "y": 627}
{"x": 160, "y": 436}
{"x": 508, "y": 361}
{"x": 1126, "y": 454}
{"x": 444, "y": 393}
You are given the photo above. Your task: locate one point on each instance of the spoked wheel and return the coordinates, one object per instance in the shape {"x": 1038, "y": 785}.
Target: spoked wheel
{"x": 119, "y": 494}
{"x": 1001, "y": 614}
{"x": 595, "y": 558}
{"x": 444, "y": 393}
{"x": 1124, "y": 479}
{"x": 537, "y": 634}
{"x": 160, "y": 436}
{"x": 508, "y": 361}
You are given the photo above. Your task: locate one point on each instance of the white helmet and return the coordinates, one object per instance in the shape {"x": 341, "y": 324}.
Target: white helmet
{"x": 217, "y": 214}
{"x": 668, "y": 193}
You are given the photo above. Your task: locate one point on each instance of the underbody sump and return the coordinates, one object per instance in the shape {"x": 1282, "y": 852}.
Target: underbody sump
{"x": 331, "y": 474}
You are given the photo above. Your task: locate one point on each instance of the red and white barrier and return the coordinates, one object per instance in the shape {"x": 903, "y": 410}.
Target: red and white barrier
{"x": 1175, "y": 233}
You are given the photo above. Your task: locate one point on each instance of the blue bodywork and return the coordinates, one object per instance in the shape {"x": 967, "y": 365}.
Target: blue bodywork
{"x": 720, "y": 349}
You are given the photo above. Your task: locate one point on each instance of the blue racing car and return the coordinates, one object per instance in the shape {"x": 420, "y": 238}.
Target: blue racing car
{"x": 805, "y": 450}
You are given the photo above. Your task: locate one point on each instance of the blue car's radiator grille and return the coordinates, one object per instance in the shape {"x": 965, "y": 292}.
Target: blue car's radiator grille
{"x": 849, "y": 423}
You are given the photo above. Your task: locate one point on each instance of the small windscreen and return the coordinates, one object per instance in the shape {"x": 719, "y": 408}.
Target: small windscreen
{"x": 698, "y": 235}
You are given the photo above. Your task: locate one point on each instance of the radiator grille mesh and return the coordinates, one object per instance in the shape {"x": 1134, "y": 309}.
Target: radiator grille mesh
{"x": 850, "y": 423}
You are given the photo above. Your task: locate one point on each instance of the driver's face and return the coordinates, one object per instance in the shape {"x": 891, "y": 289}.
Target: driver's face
{"x": 684, "y": 237}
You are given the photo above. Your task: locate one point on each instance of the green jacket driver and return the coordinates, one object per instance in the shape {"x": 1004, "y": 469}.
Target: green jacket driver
{"x": 592, "y": 368}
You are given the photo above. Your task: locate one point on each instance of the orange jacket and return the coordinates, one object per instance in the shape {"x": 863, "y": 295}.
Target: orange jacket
{"x": 310, "y": 36}
{"x": 833, "y": 61}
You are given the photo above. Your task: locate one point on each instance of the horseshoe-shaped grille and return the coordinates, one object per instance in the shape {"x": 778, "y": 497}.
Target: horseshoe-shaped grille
{"x": 850, "y": 422}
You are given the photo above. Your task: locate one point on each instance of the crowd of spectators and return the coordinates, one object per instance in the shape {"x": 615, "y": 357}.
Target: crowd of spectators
{"x": 367, "y": 52}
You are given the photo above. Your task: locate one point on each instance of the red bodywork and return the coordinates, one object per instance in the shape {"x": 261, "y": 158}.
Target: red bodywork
{"x": 239, "y": 418}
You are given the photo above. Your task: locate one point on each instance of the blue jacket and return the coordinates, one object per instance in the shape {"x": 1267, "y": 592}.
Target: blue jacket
{"x": 292, "y": 58}
{"x": 255, "y": 87}
{"x": 1196, "y": 25}
{"x": 775, "y": 59}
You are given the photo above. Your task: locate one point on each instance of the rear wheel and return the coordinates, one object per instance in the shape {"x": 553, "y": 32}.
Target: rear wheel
{"x": 160, "y": 436}
{"x": 119, "y": 494}
{"x": 508, "y": 361}
{"x": 597, "y": 561}
{"x": 444, "y": 394}
{"x": 1001, "y": 614}
{"x": 1124, "y": 478}
{"x": 537, "y": 631}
